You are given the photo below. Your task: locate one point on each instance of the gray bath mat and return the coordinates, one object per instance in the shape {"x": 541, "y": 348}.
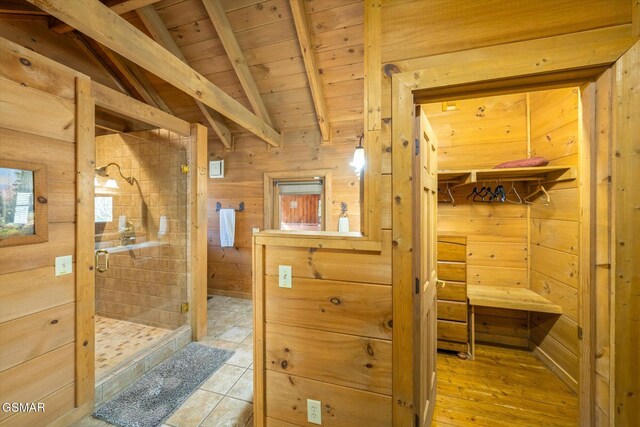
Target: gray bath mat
{"x": 153, "y": 398}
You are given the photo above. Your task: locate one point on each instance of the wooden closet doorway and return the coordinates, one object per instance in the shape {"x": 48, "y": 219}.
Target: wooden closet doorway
{"x": 473, "y": 77}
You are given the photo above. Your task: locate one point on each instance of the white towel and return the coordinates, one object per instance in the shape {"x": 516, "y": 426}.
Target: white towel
{"x": 227, "y": 227}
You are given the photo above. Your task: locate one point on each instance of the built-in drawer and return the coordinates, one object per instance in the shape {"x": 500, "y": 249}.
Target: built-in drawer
{"x": 452, "y": 331}
{"x": 452, "y": 291}
{"x": 449, "y": 251}
{"x": 449, "y": 310}
{"x": 452, "y": 271}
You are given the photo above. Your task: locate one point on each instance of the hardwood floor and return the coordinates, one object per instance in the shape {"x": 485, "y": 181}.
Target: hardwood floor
{"x": 501, "y": 387}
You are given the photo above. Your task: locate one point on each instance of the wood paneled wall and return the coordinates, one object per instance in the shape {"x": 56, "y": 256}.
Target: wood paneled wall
{"x": 555, "y": 232}
{"x": 229, "y": 269}
{"x": 37, "y": 319}
{"x": 328, "y": 337}
{"x": 456, "y": 25}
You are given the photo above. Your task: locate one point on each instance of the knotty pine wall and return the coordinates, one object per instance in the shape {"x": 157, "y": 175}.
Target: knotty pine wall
{"x": 229, "y": 269}
{"x": 37, "y": 326}
{"x": 329, "y": 336}
{"x": 555, "y": 232}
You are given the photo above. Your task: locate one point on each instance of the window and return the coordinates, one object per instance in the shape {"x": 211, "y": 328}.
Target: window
{"x": 298, "y": 204}
{"x": 297, "y": 200}
{"x": 23, "y": 203}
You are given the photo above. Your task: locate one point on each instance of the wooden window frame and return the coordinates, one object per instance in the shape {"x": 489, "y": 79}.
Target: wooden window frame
{"x": 271, "y": 201}
{"x": 40, "y": 205}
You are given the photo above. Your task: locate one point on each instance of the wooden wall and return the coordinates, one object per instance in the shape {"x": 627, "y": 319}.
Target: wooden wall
{"x": 327, "y": 338}
{"x": 229, "y": 269}
{"x": 482, "y": 133}
{"x": 555, "y": 232}
{"x": 456, "y": 25}
{"x": 37, "y": 319}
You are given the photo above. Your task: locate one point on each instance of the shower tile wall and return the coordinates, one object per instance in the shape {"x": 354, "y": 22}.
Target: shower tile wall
{"x": 146, "y": 284}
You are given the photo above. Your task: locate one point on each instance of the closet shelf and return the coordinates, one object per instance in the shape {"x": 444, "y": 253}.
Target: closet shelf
{"x": 543, "y": 174}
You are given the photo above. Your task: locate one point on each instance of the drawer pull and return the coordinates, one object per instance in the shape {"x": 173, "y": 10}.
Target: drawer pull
{"x": 335, "y": 301}
{"x": 441, "y": 283}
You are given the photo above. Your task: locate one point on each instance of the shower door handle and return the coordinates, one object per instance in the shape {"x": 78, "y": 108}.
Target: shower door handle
{"x": 102, "y": 254}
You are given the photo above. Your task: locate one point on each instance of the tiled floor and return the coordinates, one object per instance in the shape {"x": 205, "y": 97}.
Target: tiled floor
{"x": 119, "y": 340}
{"x": 225, "y": 399}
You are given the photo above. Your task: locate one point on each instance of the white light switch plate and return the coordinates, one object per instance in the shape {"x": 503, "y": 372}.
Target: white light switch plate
{"x": 63, "y": 265}
{"x": 285, "y": 276}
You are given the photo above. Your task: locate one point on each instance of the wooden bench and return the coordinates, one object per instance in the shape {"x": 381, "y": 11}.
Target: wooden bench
{"x": 505, "y": 297}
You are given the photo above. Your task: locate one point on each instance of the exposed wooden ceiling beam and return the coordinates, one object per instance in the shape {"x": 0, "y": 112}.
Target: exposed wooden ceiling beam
{"x": 160, "y": 34}
{"x": 127, "y": 107}
{"x": 218, "y": 17}
{"x": 313, "y": 74}
{"x": 105, "y": 26}
{"x": 87, "y": 48}
{"x": 120, "y": 7}
{"x": 133, "y": 78}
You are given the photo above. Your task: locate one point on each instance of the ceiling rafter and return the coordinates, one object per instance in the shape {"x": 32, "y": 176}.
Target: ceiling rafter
{"x": 119, "y": 7}
{"x": 221, "y": 23}
{"x": 313, "y": 74}
{"x": 133, "y": 78}
{"x": 160, "y": 34}
{"x": 103, "y": 25}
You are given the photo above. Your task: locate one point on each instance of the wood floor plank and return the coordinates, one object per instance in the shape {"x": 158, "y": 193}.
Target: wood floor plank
{"x": 501, "y": 387}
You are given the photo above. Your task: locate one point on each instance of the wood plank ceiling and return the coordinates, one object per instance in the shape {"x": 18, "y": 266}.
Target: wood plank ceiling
{"x": 266, "y": 34}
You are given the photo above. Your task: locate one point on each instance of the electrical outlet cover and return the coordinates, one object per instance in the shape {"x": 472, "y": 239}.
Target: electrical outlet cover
{"x": 314, "y": 411}
{"x": 64, "y": 265}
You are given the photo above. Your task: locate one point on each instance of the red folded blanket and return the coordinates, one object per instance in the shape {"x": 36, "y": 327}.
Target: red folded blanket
{"x": 523, "y": 163}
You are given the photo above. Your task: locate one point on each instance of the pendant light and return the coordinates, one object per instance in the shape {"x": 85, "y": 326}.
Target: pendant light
{"x": 358, "y": 157}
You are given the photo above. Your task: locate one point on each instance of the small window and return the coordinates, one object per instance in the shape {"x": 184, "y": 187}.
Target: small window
{"x": 299, "y": 204}
{"x": 23, "y": 203}
{"x": 297, "y": 200}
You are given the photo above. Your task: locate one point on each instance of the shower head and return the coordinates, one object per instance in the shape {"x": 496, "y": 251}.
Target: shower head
{"x": 102, "y": 171}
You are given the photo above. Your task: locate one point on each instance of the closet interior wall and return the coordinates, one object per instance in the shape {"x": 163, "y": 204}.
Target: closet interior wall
{"x": 533, "y": 245}
{"x": 555, "y": 232}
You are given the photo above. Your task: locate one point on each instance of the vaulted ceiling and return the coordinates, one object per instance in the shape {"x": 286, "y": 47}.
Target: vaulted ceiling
{"x": 263, "y": 39}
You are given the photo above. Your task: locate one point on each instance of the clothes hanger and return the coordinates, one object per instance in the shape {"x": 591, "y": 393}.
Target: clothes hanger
{"x": 513, "y": 188}
{"x": 539, "y": 189}
{"x": 447, "y": 193}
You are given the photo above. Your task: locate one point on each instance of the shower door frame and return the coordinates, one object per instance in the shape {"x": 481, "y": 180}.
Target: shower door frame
{"x": 90, "y": 95}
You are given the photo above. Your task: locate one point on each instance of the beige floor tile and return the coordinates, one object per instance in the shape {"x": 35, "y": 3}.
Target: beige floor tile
{"x": 229, "y": 413}
{"x": 235, "y": 334}
{"x": 91, "y": 422}
{"x": 223, "y": 379}
{"x": 243, "y": 356}
{"x": 195, "y": 409}
{"x": 248, "y": 340}
{"x": 215, "y": 342}
{"x": 243, "y": 388}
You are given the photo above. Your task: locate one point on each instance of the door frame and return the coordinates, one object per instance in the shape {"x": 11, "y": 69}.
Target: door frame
{"x": 573, "y": 58}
